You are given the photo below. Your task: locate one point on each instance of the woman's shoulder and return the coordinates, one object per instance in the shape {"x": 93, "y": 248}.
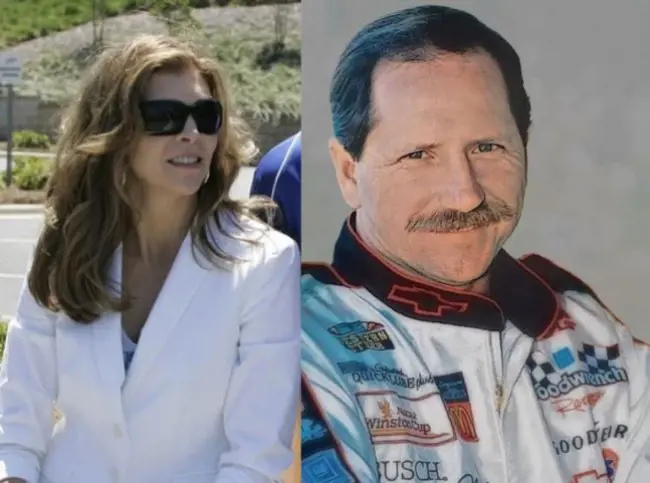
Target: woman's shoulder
{"x": 247, "y": 235}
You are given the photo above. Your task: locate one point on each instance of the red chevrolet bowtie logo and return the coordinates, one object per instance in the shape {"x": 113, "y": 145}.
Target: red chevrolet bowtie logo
{"x": 425, "y": 302}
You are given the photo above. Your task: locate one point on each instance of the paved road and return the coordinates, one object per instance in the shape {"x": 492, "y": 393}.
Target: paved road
{"x": 18, "y": 233}
{"x": 17, "y": 237}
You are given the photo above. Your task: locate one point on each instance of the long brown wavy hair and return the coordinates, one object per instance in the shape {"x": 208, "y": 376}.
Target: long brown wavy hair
{"x": 88, "y": 209}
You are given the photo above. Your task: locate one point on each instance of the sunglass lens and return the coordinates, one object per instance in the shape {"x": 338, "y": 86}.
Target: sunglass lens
{"x": 161, "y": 117}
{"x": 208, "y": 116}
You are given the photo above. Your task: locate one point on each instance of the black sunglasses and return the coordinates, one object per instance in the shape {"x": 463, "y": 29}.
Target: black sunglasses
{"x": 163, "y": 117}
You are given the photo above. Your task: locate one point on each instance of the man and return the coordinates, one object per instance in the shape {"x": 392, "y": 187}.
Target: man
{"x": 278, "y": 177}
{"x": 429, "y": 353}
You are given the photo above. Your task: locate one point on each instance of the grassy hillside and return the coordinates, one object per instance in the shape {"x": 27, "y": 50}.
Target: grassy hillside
{"x": 23, "y": 20}
{"x": 266, "y": 86}
{"x": 28, "y": 19}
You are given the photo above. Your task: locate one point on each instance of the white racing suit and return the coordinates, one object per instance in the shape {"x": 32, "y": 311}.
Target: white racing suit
{"x": 407, "y": 381}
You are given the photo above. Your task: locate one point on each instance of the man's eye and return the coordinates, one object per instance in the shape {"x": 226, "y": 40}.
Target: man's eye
{"x": 416, "y": 154}
{"x": 487, "y": 147}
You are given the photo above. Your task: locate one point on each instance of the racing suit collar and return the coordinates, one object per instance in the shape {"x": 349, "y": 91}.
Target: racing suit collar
{"x": 516, "y": 294}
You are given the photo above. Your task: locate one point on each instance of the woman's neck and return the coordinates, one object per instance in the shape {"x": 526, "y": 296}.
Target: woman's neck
{"x": 160, "y": 228}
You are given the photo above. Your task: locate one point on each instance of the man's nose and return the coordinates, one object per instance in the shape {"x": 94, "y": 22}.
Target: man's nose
{"x": 462, "y": 191}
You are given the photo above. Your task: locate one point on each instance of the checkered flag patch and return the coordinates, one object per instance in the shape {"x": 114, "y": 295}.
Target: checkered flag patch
{"x": 542, "y": 371}
{"x": 599, "y": 359}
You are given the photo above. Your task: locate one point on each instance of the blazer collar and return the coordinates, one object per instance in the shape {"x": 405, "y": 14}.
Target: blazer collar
{"x": 178, "y": 290}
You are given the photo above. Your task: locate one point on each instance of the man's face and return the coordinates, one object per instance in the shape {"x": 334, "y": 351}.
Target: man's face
{"x": 439, "y": 187}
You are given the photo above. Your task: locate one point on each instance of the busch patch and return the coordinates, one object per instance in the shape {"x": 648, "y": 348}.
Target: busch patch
{"x": 411, "y": 470}
{"x": 594, "y": 367}
{"x": 360, "y": 336}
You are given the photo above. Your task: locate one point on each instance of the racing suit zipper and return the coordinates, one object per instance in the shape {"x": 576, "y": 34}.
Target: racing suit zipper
{"x": 496, "y": 349}
{"x": 499, "y": 397}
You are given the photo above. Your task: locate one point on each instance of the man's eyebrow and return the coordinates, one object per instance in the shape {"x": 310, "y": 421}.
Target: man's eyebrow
{"x": 496, "y": 136}
{"x": 422, "y": 146}
{"x": 409, "y": 147}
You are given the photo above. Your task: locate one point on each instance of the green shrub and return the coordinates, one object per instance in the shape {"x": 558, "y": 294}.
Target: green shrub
{"x": 254, "y": 3}
{"x": 30, "y": 140}
{"x": 30, "y": 173}
{"x": 3, "y": 336}
{"x": 264, "y": 92}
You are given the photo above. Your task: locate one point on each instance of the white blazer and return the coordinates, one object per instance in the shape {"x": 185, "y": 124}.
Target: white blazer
{"x": 211, "y": 395}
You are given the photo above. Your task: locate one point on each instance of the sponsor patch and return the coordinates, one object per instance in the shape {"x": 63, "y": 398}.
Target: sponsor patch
{"x": 594, "y": 366}
{"x": 360, "y": 373}
{"x": 321, "y": 460}
{"x": 411, "y": 470}
{"x": 611, "y": 462}
{"x": 562, "y": 323}
{"x": 395, "y": 419}
{"x": 324, "y": 467}
{"x": 579, "y": 404}
{"x": 361, "y": 336}
{"x": 312, "y": 430}
{"x": 592, "y": 437}
{"x": 470, "y": 478}
{"x": 425, "y": 302}
{"x": 594, "y": 476}
{"x": 563, "y": 358}
{"x": 455, "y": 396}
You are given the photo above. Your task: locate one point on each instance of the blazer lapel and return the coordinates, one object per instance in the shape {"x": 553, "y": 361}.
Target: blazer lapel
{"x": 107, "y": 335}
{"x": 180, "y": 287}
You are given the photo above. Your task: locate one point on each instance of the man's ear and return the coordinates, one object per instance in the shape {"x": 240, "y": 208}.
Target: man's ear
{"x": 346, "y": 170}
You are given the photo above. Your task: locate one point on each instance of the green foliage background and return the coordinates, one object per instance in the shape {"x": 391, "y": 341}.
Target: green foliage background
{"x": 3, "y": 337}
{"x": 23, "y": 20}
{"x": 265, "y": 85}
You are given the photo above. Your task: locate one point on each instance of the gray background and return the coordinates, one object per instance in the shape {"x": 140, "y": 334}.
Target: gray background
{"x": 587, "y": 71}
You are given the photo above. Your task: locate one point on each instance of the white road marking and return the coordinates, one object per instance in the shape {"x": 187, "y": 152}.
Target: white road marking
{"x": 21, "y": 216}
{"x": 12, "y": 275}
{"x": 18, "y": 240}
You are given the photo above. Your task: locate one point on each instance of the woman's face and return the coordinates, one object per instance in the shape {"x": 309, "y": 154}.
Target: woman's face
{"x": 176, "y": 163}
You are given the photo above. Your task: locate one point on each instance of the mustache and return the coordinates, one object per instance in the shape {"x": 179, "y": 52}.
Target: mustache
{"x": 451, "y": 221}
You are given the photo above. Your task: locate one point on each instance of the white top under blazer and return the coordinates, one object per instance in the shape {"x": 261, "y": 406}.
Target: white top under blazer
{"x": 211, "y": 395}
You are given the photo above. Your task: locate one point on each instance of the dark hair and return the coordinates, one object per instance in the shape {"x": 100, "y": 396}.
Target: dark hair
{"x": 415, "y": 35}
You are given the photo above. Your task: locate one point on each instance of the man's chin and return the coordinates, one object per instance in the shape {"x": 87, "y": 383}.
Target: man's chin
{"x": 460, "y": 279}
{"x": 458, "y": 271}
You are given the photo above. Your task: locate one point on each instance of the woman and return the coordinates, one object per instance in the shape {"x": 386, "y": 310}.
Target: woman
{"x": 159, "y": 318}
